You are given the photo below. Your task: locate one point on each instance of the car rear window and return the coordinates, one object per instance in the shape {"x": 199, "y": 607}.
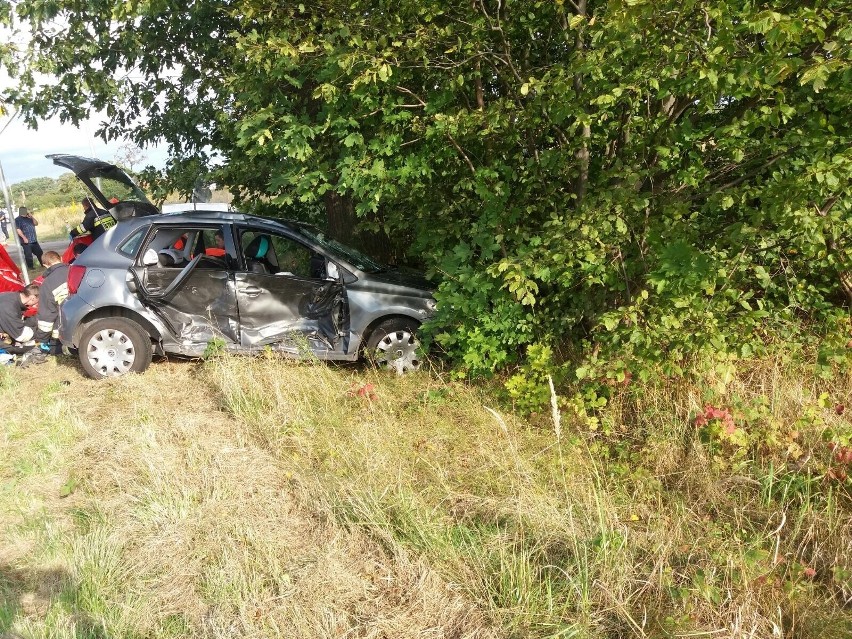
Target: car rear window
{"x": 130, "y": 246}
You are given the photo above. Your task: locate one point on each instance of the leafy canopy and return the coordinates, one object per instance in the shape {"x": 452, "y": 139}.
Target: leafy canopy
{"x": 644, "y": 180}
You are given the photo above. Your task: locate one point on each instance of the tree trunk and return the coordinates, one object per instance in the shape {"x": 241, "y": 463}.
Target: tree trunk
{"x": 340, "y": 214}
{"x": 343, "y": 226}
{"x": 846, "y": 285}
{"x": 844, "y": 274}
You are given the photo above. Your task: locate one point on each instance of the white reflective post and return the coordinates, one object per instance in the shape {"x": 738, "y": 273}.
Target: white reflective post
{"x": 10, "y": 206}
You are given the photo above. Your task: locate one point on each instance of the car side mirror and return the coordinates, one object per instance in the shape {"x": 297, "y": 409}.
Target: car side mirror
{"x": 150, "y": 258}
{"x": 331, "y": 271}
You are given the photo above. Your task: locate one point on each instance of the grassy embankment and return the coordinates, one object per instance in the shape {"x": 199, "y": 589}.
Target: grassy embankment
{"x": 259, "y": 497}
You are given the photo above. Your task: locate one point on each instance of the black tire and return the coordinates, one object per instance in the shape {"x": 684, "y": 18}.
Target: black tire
{"x": 393, "y": 345}
{"x": 114, "y": 346}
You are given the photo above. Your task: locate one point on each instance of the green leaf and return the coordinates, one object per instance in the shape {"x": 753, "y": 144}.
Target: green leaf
{"x": 68, "y": 487}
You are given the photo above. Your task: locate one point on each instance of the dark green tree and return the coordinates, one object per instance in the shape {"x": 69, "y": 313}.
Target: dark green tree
{"x": 648, "y": 179}
{"x": 42, "y": 193}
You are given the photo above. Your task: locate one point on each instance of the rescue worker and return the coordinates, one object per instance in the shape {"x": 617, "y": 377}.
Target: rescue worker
{"x": 95, "y": 221}
{"x": 219, "y": 249}
{"x": 12, "y": 307}
{"x": 54, "y": 290}
{"x": 18, "y": 328}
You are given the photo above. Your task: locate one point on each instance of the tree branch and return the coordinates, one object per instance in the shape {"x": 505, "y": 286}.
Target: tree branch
{"x": 463, "y": 154}
{"x": 412, "y": 94}
{"x": 772, "y": 160}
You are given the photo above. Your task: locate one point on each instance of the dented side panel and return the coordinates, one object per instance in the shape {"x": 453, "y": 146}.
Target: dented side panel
{"x": 203, "y": 309}
{"x": 290, "y": 313}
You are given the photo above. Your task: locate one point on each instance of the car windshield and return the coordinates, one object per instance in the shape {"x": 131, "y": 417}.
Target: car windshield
{"x": 353, "y": 256}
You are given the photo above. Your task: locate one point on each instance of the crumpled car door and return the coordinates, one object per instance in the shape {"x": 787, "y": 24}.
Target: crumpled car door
{"x": 290, "y": 313}
{"x": 196, "y": 304}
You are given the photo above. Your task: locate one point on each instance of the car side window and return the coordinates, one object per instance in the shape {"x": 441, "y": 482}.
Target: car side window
{"x": 215, "y": 248}
{"x": 131, "y": 245}
{"x": 177, "y": 246}
{"x": 279, "y": 255}
{"x": 293, "y": 257}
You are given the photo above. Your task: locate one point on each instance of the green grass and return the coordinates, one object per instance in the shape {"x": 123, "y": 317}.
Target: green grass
{"x": 262, "y": 497}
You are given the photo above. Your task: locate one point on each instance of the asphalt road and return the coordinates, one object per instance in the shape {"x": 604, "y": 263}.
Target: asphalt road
{"x": 50, "y": 245}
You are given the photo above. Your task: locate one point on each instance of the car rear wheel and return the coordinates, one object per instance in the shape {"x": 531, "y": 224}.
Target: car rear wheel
{"x": 393, "y": 345}
{"x": 114, "y": 346}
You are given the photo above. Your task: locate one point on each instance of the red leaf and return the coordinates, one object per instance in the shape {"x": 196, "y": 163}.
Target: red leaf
{"x": 838, "y": 474}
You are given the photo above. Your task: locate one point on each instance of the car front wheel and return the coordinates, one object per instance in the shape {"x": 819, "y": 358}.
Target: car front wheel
{"x": 393, "y": 345}
{"x": 114, "y": 346}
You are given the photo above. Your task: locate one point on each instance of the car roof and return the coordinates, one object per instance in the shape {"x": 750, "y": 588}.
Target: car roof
{"x": 200, "y": 216}
{"x": 181, "y": 207}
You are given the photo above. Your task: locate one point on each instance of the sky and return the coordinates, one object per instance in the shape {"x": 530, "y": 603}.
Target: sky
{"x": 22, "y": 150}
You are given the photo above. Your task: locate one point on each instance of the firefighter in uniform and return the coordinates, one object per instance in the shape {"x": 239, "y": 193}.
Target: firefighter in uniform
{"x": 95, "y": 221}
{"x": 54, "y": 290}
{"x": 12, "y": 307}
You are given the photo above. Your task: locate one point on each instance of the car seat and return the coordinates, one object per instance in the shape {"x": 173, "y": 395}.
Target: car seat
{"x": 170, "y": 257}
{"x": 257, "y": 252}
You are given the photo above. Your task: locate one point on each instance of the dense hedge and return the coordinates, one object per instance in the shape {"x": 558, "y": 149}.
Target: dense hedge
{"x": 617, "y": 184}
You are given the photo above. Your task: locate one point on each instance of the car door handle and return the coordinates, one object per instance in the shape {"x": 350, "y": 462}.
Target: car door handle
{"x": 251, "y": 291}
{"x": 218, "y": 276}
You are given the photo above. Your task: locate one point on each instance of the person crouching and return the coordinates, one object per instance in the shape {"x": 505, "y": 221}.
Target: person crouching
{"x": 19, "y": 330}
{"x": 54, "y": 291}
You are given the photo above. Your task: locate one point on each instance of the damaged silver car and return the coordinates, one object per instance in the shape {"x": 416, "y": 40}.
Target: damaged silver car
{"x": 175, "y": 283}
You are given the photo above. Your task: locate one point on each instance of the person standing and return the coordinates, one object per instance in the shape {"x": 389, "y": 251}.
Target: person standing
{"x": 54, "y": 290}
{"x": 4, "y": 223}
{"x": 95, "y": 221}
{"x": 25, "y": 225}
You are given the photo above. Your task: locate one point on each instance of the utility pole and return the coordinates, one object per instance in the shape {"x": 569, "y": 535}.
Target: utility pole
{"x": 10, "y": 206}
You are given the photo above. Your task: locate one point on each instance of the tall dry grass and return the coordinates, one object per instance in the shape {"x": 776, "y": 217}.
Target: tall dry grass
{"x": 568, "y": 536}
{"x": 261, "y": 497}
{"x": 178, "y": 525}
{"x": 54, "y": 223}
